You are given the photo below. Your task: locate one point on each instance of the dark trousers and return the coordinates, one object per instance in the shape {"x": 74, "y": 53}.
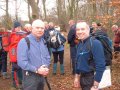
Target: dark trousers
{"x": 3, "y": 62}
{"x": 87, "y": 80}
{"x": 32, "y": 81}
{"x": 16, "y": 74}
{"x": 73, "y": 52}
{"x": 59, "y": 55}
{"x": 116, "y": 49}
{"x": 50, "y": 51}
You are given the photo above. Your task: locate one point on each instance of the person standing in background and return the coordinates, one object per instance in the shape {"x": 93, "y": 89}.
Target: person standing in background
{"x": 27, "y": 28}
{"x": 116, "y": 39}
{"x": 71, "y": 41}
{"x": 16, "y": 35}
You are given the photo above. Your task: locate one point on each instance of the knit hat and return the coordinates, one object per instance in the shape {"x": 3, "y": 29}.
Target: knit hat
{"x": 16, "y": 24}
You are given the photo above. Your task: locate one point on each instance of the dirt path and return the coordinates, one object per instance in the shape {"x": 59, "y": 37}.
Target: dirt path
{"x": 65, "y": 82}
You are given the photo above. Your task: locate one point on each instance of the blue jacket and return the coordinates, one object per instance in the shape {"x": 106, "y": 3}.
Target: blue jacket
{"x": 61, "y": 48}
{"x": 72, "y": 35}
{"x": 31, "y": 59}
{"x": 83, "y": 55}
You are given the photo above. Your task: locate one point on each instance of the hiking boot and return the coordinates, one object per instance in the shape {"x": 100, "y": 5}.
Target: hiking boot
{"x": 14, "y": 86}
{"x": 61, "y": 69}
{"x": 20, "y": 87}
{"x": 0, "y": 74}
{"x": 54, "y": 68}
{"x": 6, "y": 76}
{"x": 54, "y": 73}
{"x": 62, "y": 74}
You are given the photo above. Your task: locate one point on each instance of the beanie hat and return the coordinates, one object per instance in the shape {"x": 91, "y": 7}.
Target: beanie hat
{"x": 16, "y": 24}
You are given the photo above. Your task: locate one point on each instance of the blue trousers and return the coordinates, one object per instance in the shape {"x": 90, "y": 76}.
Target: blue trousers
{"x": 32, "y": 81}
{"x": 73, "y": 52}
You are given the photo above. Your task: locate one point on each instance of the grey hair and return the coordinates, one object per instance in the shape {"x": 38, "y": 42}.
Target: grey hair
{"x": 115, "y": 26}
{"x": 38, "y": 22}
{"x": 79, "y": 23}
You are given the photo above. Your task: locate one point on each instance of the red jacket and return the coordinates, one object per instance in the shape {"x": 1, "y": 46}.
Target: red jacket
{"x": 15, "y": 37}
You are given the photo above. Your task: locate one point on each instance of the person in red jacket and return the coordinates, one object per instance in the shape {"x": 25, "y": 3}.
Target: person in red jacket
{"x": 3, "y": 57}
{"x": 16, "y": 35}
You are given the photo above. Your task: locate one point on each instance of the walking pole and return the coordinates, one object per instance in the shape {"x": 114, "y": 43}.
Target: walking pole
{"x": 48, "y": 84}
{"x": 70, "y": 64}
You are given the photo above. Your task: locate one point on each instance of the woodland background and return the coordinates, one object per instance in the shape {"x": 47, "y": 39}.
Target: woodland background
{"x": 106, "y": 12}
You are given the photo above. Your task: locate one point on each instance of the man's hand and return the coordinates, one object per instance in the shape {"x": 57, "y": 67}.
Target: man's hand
{"x": 77, "y": 81}
{"x": 43, "y": 70}
{"x": 95, "y": 86}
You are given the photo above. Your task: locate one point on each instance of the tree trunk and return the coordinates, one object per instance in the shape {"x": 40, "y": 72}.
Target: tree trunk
{"x": 44, "y": 8}
{"x": 29, "y": 16}
{"x": 60, "y": 11}
{"x": 35, "y": 9}
{"x": 16, "y": 13}
{"x": 7, "y": 16}
{"x": 71, "y": 8}
{"x": 7, "y": 8}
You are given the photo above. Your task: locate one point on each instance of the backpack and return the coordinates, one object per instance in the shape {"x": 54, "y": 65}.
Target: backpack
{"x": 15, "y": 37}
{"x": 55, "y": 39}
{"x": 106, "y": 43}
{"x": 6, "y": 40}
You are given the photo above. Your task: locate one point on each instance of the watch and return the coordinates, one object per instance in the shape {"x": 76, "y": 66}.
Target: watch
{"x": 36, "y": 71}
{"x": 95, "y": 86}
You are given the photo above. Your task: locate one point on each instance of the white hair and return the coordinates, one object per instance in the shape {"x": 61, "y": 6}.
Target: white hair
{"x": 38, "y": 23}
{"x": 28, "y": 25}
{"x": 115, "y": 26}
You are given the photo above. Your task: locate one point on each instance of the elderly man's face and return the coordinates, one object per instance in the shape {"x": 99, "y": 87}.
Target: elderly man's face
{"x": 82, "y": 31}
{"x": 38, "y": 28}
{"x": 38, "y": 31}
{"x": 114, "y": 29}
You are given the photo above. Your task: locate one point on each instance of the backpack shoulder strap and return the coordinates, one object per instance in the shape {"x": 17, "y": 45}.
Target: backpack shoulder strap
{"x": 91, "y": 62}
{"x": 90, "y": 46}
{"x": 28, "y": 42}
{"x": 90, "y": 43}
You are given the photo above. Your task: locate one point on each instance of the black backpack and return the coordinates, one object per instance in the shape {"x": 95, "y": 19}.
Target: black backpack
{"x": 106, "y": 43}
{"x": 55, "y": 39}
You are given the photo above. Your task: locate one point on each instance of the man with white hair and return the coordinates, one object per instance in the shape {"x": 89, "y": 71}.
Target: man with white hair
{"x": 116, "y": 38}
{"x": 27, "y": 28}
{"x": 87, "y": 79}
{"x": 34, "y": 59}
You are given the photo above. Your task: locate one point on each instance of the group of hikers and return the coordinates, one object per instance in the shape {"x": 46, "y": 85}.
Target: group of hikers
{"x": 30, "y": 52}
